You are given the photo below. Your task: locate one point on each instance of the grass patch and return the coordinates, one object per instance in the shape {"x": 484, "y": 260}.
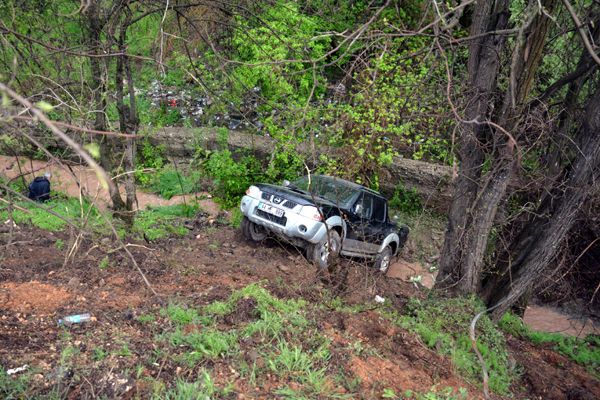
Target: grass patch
{"x": 13, "y": 387}
{"x": 68, "y": 207}
{"x": 585, "y": 352}
{"x": 443, "y": 324}
{"x": 201, "y": 389}
{"x": 163, "y": 221}
{"x": 278, "y": 331}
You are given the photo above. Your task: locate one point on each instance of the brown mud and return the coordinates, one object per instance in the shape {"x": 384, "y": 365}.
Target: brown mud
{"x": 36, "y": 290}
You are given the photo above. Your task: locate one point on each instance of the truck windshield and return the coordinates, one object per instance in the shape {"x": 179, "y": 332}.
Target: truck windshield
{"x": 335, "y": 190}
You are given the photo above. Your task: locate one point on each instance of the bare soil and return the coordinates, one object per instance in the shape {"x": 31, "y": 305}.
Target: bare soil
{"x": 77, "y": 179}
{"x": 36, "y": 289}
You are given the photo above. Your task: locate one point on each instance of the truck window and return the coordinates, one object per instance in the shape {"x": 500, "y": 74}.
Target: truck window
{"x": 378, "y": 213}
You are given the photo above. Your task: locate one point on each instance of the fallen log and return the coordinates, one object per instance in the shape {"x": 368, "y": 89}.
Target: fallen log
{"x": 431, "y": 181}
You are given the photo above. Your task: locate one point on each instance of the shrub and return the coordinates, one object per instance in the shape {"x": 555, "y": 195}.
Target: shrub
{"x": 406, "y": 200}
{"x": 231, "y": 178}
{"x": 169, "y": 182}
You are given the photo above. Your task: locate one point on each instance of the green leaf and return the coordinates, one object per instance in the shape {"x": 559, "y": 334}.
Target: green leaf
{"x": 93, "y": 149}
{"x": 5, "y": 100}
{"x": 44, "y": 106}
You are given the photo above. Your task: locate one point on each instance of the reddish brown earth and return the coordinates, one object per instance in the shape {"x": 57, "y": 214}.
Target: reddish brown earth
{"x": 36, "y": 290}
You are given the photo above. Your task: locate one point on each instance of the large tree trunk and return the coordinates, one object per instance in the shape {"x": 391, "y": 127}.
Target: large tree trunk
{"x": 108, "y": 145}
{"x": 483, "y": 72}
{"x": 478, "y": 196}
{"x": 532, "y": 262}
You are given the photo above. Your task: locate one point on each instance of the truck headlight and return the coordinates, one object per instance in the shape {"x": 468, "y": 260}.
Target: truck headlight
{"x": 311, "y": 212}
{"x": 253, "y": 191}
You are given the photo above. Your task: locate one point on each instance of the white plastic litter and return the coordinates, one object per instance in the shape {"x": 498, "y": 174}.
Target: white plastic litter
{"x": 379, "y": 299}
{"x": 17, "y": 370}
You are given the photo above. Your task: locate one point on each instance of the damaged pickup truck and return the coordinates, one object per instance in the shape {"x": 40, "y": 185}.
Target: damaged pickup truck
{"x": 325, "y": 215}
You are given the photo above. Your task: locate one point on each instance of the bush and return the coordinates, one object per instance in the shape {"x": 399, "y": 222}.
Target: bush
{"x": 169, "y": 182}
{"x": 406, "y": 200}
{"x": 231, "y": 178}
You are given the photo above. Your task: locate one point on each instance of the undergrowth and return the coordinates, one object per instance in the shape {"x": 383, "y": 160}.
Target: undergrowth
{"x": 69, "y": 208}
{"x": 443, "y": 325}
{"x": 13, "y": 387}
{"x": 284, "y": 340}
{"x": 585, "y": 352}
{"x": 154, "y": 222}
{"x": 168, "y": 182}
{"x": 163, "y": 221}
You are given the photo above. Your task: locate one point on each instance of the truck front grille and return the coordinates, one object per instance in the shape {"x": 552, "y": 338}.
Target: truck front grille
{"x": 289, "y": 204}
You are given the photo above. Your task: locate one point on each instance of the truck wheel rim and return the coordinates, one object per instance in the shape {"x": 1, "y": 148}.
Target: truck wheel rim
{"x": 385, "y": 263}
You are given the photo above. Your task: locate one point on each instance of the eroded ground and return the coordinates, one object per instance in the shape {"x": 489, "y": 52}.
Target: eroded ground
{"x": 134, "y": 345}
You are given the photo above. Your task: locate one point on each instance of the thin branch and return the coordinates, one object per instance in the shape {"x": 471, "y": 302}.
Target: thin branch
{"x": 80, "y": 128}
{"x": 582, "y": 32}
{"x": 100, "y": 172}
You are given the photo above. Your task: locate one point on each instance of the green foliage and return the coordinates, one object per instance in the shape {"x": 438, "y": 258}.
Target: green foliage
{"x": 70, "y": 208}
{"x": 236, "y": 217}
{"x": 202, "y": 345}
{"x": 162, "y": 221}
{"x": 444, "y": 324}
{"x": 99, "y": 354}
{"x": 232, "y": 178}
{"x": 585, "y": 352}
{"x": 168, "y": 183}
{"x": 181, "y": 316}
{"x": 104, "y": 263}
{"x": 447, "y": 393}
{"x": 406, "y": 200}
{"x": 13, "y": 388}
{"x": 59, "y": 244}
{"x": 202, "y": 389}
{"x": 256, "y": 44}
{"x": 146, "y": 318}
{"x": 149, "y": 157}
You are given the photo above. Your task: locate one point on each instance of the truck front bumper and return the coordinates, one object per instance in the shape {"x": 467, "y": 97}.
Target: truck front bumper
{"x": 290, "y": 225}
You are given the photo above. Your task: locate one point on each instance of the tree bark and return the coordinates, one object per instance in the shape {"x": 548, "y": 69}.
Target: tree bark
{"x": 96, "y": 22}
{"x": 532, "y": 262}
{"x": 483, "y": 67}
{"x": 478, "y": 196}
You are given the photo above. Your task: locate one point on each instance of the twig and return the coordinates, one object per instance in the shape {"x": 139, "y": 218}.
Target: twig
{"x": 582, "y": 33}
{"x": 102, "y": 175}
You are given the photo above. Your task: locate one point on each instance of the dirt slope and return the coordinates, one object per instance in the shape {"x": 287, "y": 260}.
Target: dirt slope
{"x": 36, "y": 290}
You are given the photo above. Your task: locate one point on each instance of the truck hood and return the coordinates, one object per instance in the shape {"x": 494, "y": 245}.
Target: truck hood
{"x": 298, "y": 196}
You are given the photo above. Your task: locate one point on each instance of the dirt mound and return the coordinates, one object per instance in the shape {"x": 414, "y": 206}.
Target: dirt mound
{"x": 400, "y": 362}
{"x": 244, "y": 310}
{"x": 32, "y": 297}
{"x": 550, "y": 375}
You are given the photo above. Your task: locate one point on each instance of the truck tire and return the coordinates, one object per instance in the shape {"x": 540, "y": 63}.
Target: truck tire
{"x": 252, "y": 231}
{"x": 383, "y": 260}
{"x": 322, "y": 254}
